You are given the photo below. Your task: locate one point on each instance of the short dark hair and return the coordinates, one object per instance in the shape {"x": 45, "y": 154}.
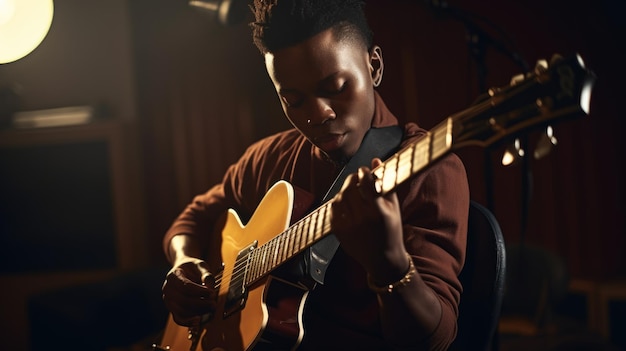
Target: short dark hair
{"x": 282, "y": 23}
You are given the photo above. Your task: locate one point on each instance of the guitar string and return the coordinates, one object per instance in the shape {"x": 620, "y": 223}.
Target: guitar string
{"x": 304, "y": 229}
{"x": 275, "y": 243}
{"x": 309, "y": 223}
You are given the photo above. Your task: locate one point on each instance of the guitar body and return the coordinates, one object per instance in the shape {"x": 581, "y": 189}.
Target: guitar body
{"x": 258, "y": 315}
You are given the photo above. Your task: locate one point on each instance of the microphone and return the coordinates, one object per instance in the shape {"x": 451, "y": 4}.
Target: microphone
{"x": 477, "y": 36}
{"x": 225, "y": 12}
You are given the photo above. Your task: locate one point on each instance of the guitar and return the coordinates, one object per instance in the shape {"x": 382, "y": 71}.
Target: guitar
{"x": 248, "y": 313}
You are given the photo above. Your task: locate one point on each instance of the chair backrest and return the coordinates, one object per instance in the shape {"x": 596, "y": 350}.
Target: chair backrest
{"x": 537, "y": 282}
{"x": 483, "y": 279}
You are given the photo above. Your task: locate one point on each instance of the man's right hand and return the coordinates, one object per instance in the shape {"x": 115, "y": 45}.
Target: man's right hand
{"x": 189, "y": 291}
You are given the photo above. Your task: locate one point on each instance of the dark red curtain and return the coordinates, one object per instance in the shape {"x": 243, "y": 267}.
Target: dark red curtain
{"x": 576, "y": 194}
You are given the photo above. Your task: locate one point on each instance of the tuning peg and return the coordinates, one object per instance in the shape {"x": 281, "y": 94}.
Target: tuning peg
{"x": 517, "y": 79}
{"x": 547, "y": 141}
{"x": 555, "y": 59}
{"x": 513, "y": 153}
{"x": 541, "y": 66}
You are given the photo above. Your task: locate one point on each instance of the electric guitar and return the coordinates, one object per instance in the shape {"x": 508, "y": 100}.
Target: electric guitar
{"x": 248, "y": 312}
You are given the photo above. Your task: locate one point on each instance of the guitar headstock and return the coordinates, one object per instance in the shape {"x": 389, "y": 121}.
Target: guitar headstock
{"x": 554, "y": 91}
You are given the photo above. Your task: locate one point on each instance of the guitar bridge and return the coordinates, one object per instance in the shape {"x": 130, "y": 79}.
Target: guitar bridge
{"x": 237, "y": 292}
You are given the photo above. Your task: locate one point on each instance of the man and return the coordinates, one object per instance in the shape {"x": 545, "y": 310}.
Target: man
{"x": 392, "y": 284}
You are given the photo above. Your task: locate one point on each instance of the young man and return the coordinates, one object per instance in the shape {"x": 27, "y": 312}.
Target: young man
{"x": 392, "y": 283}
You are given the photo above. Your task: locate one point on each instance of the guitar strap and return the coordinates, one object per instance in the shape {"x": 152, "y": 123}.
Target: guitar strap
{"x": 378, "y": 142}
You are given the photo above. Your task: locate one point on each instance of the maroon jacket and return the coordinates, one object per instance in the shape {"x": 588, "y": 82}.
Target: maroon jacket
{"x": 342, "y": 314}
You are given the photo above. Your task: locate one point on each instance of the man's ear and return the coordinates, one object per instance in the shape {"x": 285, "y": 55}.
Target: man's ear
{"x": 376, "y": 65}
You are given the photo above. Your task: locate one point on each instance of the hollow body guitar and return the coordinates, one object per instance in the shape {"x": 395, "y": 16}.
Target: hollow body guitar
{"x": 254, "y": 307}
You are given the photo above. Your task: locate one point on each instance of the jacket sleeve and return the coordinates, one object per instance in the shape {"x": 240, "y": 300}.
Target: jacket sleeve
{"x": 200, "y": 216}
{"x": 435, "y": 212}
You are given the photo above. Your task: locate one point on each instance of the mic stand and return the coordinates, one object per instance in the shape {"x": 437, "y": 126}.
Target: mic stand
{"x": 478, "y": 41}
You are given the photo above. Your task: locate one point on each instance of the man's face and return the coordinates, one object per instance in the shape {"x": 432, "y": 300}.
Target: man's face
{"x": 326, "y": 89}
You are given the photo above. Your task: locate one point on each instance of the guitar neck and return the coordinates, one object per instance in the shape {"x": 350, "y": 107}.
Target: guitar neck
{"x": 551, "y": 92}
{"x": 316, "y": 225}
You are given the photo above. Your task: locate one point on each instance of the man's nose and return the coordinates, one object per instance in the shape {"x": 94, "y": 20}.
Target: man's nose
{"x": 321, "y": 112}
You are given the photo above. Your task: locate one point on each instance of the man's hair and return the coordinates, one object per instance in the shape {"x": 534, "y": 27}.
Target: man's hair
{"x": 282, "y": 23}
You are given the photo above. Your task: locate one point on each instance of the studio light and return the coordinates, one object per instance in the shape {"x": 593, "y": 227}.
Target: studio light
{"x": 225, "y": 12}
{"x": 23, "y": 26}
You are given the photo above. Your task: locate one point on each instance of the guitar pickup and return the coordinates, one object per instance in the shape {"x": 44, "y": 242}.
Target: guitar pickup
{"x": 237, "y": 291}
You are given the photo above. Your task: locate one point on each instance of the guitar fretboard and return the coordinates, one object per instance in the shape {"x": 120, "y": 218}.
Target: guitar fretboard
{"x": 393, "y": 172}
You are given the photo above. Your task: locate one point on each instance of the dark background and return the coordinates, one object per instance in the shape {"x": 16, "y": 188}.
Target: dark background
{"x": 185, "y": 95}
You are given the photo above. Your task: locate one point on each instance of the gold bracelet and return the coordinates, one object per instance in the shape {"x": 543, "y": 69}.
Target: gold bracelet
{"x": 389, "y": 288}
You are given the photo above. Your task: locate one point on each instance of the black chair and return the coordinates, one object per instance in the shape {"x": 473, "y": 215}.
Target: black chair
{"x": 483, "y": 278}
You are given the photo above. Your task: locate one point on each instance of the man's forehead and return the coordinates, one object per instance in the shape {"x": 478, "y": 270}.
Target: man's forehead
{"x": 297, "y": 65}
{"x": 319, "y": 47}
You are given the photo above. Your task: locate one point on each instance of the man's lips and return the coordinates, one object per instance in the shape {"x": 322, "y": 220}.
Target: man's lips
{"x": 329, "y": 142}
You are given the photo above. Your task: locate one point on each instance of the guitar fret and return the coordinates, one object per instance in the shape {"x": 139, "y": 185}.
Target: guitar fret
{"x": 422, "y": 153}
{"x": 254, "y": 265}
{"x": 315, "y": 224}
{"x": 265, "y": 262}
{"x": 404, "y": 164}
{"x": 327, "y": 226}
{"x": 264, "y": 267}
{"x": 437, "y": 147}
{"x": 258, "y": 262}
{"x": 252, "y": 258}
{"x": 276, "y": 253}
{"x": 307, "y": 230}
{"x": 299, "y": 227}
{"x": 302, "y": 227}
{"x": 271, "y": 258}
{"x": 296, "y": 240}
{"x": 443, "y": 138}
{"x": 288, "y": 246}
{"x": 279, "y": 251}
{"x": 390, "y": 174}
{"x": 311, "y": 223}
{"x": 259, "y": 252}
{"x": 321, "y": 219}
{"x": 293, "y": 243}
{"x": 301, "y": 235}
{"x": 311, "y": 229}
{"x": 246, "y": 267}
{"x": 283, "y": 249}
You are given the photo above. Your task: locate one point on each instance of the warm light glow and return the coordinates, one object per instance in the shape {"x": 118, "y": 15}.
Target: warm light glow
{"x": 512, "y": 153}
{"x": 23, "y": 25}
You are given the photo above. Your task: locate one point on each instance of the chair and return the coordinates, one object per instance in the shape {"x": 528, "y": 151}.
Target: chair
{"x": 483, "y": 278}
{"x": 537, "y": 282}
